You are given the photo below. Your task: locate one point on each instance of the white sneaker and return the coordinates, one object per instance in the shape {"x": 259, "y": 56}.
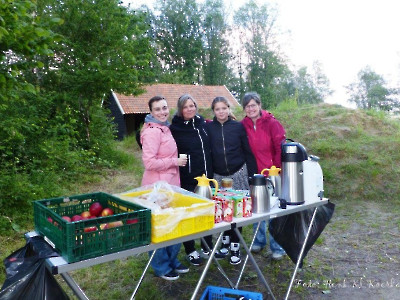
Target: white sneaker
{"x": 194, "y": 258}
{"x": 256, "y": 249}
{"x": 235, "y": 254}
{"x": 277, "y": 255}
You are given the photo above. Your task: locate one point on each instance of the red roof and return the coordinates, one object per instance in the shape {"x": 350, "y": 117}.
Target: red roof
{"x": 203, "y": 95}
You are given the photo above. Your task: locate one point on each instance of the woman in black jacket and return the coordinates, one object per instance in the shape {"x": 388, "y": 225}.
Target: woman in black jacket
{"x": 190, "y": 136}
{"x": 232, "y": 158}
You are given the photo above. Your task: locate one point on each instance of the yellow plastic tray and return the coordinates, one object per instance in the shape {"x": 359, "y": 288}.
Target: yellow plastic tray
{"x": 187, "y": 215}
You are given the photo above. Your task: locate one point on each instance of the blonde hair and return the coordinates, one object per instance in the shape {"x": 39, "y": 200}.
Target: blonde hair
{"x": 181, "y": 103}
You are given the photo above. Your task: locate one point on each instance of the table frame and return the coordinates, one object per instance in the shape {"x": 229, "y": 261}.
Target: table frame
{"x": 58, "y": 265}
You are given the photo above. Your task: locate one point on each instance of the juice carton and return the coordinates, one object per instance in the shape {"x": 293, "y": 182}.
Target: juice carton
{"x": 228, "y": 210}
{"x": 238, "y": 207}
{"x": 247, "y": 207}
{"x": 218, "y": 216}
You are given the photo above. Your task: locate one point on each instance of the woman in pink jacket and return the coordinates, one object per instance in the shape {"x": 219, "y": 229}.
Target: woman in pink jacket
{"x": 161, "y": 162}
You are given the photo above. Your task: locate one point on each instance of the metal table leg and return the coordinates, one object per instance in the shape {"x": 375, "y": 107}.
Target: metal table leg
{"x": 206, "y": 267}
{"x": 219, "y": 267}
{"x": 247, "y": 257}
{"x": 141, "y": 277}
{"x": 260, "y": 274}
{"x": 301, "y": 254}
{"x": 74, "y": 286}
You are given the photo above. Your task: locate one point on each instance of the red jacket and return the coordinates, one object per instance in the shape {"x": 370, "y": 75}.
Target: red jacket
{"x": 265, "y": 140}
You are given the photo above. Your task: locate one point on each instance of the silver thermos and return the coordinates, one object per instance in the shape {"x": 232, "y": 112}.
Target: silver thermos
{"x": 259, "y": 194}
{"x": 293, "y": 155}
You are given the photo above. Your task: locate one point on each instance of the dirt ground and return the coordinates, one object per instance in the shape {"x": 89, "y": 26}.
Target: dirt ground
{"x": 359, "y": 257}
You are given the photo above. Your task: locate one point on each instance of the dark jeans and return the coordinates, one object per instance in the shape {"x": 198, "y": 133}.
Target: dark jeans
{"x": 232, "y": 235}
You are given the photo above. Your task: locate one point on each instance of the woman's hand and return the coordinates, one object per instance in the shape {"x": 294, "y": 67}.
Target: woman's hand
{"x": 182, "y": 161}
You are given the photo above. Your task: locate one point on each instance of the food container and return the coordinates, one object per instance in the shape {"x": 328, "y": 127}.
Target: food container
{"x": 127, "y": 228}
{"x": 187, "y": 212}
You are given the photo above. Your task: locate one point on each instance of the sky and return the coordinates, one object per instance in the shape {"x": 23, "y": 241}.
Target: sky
{"x": 345, "y": 36}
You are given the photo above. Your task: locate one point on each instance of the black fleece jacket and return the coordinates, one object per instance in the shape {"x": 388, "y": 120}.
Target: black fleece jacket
{"x": 192, "y": 139}
{"x": 230, "y": 148}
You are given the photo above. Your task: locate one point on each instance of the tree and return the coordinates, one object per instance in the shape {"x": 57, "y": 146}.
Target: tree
{"x": 104, "y": 47}
{"x": 370, "y": 91}
{"x": 311, "y": 88}
{"x": 217, "y": 55}
{"x": 23, "y": 35}
{"x": 264, "y": 67}
{"x": 179, "y": 40}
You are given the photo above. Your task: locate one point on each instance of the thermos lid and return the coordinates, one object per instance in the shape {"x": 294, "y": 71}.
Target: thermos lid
{"x": 293, "y": 152}
{"x": 258, "y": 180}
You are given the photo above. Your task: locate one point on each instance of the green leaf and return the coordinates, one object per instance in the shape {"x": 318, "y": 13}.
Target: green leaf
{"x": 15, "y": 227}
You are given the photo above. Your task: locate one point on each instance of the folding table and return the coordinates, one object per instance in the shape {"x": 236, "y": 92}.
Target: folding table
{"x": 58, "y": 265}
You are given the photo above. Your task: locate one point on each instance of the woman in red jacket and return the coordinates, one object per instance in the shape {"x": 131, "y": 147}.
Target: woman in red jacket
{"x": 265, "y": 135}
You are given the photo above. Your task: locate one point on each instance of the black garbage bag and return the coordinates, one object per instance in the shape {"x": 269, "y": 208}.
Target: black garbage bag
{"x": 290, "y": 231}
{"x": 27, "y": 276}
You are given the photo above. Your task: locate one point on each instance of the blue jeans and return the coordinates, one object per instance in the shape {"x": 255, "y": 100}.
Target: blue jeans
{"x": 165, "y": 260}
{"x": 261, "y": 239}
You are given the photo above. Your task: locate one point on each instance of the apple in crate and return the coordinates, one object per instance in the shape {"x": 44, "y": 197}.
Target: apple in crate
{"x": 111, "y": 225}
{"x": 95, "y": 209}
{"x": 76, "y": 218}
{"x": 66, "y": 218}
{"x": 106, "y": 212}
{"x": 132, "y": 221}
{"x": 90, "y": 229}
{"x": 85, "y": 214}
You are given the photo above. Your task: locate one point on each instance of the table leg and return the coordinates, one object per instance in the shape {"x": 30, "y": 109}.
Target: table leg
{"x": 247, "y": 257}
{"x": 301, "y": 254}
{"x": 203, "y": 274}
{"x": 219, "y": 267}
{"x": 74, "y": 286}
{"x": 260, "y": 274}
{"x": 141, "y": 277}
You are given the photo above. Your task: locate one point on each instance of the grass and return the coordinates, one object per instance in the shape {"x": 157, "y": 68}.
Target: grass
{"x": 359, "y": 157}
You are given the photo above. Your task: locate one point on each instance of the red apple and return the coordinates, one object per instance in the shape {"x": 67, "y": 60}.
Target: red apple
{"x": 76, "y": 218}
{"x": 132, "y": 221}
{"x": 50, "y": 219}
{"x": 66, "y": 218}
{"x": 92, "y": 217}
{"x": 85, "y": 214}
{"x": 95, "y": 209}
{"x": 89, "y": 229}
{"x": 106, "y": 212}
{"x": 111, "y": 225}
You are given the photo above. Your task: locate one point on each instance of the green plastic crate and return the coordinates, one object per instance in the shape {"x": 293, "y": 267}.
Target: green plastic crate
{"x": 74, "y": 243}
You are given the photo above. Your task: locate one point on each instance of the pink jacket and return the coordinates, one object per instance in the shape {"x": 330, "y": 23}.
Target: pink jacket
{"x": 159, "y": 155}
{"x": 265, "y": 140}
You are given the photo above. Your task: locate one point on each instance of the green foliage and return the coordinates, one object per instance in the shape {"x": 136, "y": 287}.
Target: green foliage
{"x": 370, "y": 92}
{"x": 216, "y": 52}
{"x": 178, "y": 29}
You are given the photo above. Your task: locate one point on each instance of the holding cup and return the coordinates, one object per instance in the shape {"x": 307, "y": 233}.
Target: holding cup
{"x": 182, "y": 160}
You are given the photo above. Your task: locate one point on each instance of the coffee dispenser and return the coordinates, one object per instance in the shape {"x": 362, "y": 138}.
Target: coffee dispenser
{"x": 302, "y": 179}
{"x": 293, "y": 155}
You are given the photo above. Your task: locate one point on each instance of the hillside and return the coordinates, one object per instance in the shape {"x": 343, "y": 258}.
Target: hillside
{"x": 358, "y": 254}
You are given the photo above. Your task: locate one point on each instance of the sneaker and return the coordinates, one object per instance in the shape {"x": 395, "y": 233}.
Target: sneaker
{"x": 225, "y": 245}
{"x": 235, "y": 254}
{"x": 170, "y": 276}
{"x": 277, "y": 255}
{"x": 181, "y": 269}
{"x": 217, "y": 254}
{"x": 194, "y": 258}
{"x": 256, "y": 249}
